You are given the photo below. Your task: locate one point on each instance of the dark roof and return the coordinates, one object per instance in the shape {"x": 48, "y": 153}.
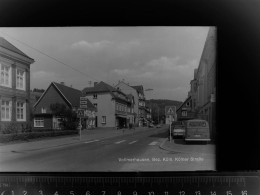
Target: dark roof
{"x": 104, "y": 87}
{"x": 188, "y": 98}
{"x": 71, "y": 94}
{"x": 5, "y": 44}
{"x": 99, "y": 87}
{"x": 139, "y": 88}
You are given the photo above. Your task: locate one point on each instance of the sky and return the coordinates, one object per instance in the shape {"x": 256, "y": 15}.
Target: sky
{"x": 159, "y": 58}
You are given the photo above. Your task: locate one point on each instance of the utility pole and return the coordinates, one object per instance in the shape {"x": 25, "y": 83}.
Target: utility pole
{"x": 158, "y": 114}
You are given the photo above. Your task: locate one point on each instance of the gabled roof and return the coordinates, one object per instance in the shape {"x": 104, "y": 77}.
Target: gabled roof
{"x": 139, "y": 88}
{"x": 99, "y": 87}
{"x": 183, "y": 103}
{"x": 69, "y": 94}
{"x": 5, "y": 44}
{"x": 104, "y": 87}
{"x": 72, "y": 95}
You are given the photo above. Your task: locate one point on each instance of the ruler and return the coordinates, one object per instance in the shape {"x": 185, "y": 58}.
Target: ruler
{"x": 85, "y": 184}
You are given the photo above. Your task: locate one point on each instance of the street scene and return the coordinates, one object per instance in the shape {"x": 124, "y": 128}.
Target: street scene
{"x": 121, "y": 99}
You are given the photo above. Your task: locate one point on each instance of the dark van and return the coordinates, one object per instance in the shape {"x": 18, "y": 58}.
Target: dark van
{"x": 197, "y": 130}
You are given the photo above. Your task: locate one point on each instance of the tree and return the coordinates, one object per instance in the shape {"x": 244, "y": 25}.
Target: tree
{"x": 70, "y": 120}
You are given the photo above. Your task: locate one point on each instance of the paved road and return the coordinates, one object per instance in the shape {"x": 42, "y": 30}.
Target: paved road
{"x": 134, "y": 152}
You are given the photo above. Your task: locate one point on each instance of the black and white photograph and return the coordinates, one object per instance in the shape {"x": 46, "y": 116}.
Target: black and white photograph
{"x": 101, "y": 99}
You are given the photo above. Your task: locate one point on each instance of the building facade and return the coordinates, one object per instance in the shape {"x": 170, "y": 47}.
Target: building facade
{"x": 14, "y": 87}
{"x": 203, "y": 86}
{"x": 139, "y": 97}
{"x": 113, "y": 106}
{"x": 57, "y": 93}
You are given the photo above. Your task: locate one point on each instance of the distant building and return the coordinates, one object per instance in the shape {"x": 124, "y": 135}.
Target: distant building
{"x": 203, "y": 86}
{"x": 14, "y": 86}
{"x": 184, "y": 112}
{"x": 44, "y": 118}
{"x": 139, "y": 107}
{"x": 114, "y": 108}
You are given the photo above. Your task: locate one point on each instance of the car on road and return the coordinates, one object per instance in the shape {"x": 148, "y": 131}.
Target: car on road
{"x": 177, "y": 129}
{"x": 151, "y": 125}
{"x": 197, "y": 130}
{"x": 158, "y": 126}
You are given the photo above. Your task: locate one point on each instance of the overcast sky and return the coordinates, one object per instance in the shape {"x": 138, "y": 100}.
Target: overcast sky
{"x": 159, "y": 58}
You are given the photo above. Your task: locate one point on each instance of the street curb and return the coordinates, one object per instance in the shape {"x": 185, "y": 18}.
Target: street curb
{"x": 79, "y": 141}
{"x": 163, "y": 147}
{"x": 176, "y": 151}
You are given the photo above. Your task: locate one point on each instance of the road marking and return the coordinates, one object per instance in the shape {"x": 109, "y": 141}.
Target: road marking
{"x": 91, "y": 141}
{"x": 133, "y": 142}
{"x": 153, "y": 143}
{"x": 119, "y": 142}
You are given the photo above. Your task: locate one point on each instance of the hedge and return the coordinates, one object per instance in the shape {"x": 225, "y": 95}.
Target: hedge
{"x": 34, "y": 135}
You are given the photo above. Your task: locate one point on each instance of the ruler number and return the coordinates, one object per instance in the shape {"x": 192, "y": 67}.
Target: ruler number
{"x": 88, "y": 192}
{"x": 71, "y": 192}
{"x": 244, "y": 192}
{"x": 166, "y": 193}
{"x": 151, "y": 193}
{"x": 213, "y": 193}
{"x": 229, "y": 192}
{"x": 134, "y": 192}
{"x": 118, "y": 192}
{"x": 56, "y": 193}
{"x": 40, "y": 192}
{"x": 24, "y": 192}
{"x": 197, "y": 193}
{"x": 182, "y": 192}
{"x": 104, "y": 192}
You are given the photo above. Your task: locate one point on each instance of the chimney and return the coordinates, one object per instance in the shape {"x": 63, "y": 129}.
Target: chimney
{"x": 95, "y": 83}
{"x": 62, "y": 83}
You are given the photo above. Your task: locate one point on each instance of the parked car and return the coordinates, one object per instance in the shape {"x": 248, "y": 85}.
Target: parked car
{"x": 178, "y": 129}
{"x": 151, "y": 125}
{"x": 158, "y": 126}
{"x": 197, "y": 130}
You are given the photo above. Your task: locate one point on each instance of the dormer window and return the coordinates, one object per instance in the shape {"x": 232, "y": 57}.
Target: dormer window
{"x": 95, "y": 96}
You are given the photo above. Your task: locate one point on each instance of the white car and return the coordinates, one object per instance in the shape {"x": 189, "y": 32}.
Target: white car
{"x": 178, "y": 129}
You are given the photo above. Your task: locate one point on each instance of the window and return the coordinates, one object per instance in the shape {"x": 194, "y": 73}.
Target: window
{"x": 57, "y": 123}
{"x": 94, "y": 96}
{"x": 188, "y": 104}
{"x": 95, "y": 105}
{"x": 20, "y": 111}
{"x": 184, "y": 113}
{"x": 116, "y": 106}
{"x": 43, "y": 110}
{"x": 6, "y": 107}
{"x": 103, "y": 119}
{"x": 38, "y": 122}
{"x": 5, "y": 75}
{"x": 20, "y": 79}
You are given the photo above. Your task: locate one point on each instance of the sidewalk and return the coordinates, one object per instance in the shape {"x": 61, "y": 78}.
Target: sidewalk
{"x": 86, "y": 135}
{"x": 179, "y": 146}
